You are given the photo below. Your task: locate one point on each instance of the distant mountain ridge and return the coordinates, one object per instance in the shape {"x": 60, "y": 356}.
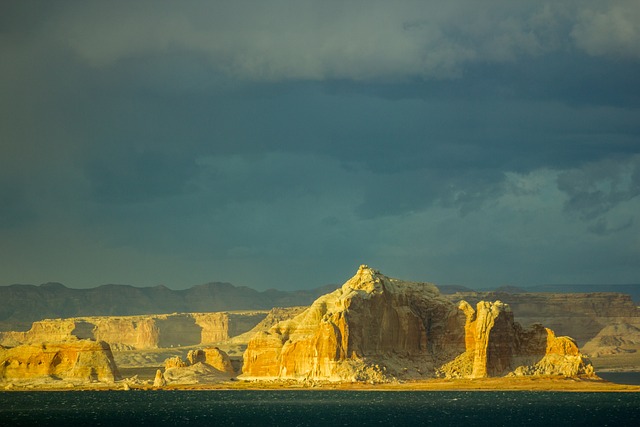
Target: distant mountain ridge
{"x": 23, "y": 304}
{"x": 20, "y": 305}
{"x": 630, "y": 289}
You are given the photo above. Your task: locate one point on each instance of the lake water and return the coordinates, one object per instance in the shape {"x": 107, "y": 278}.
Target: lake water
{"x": 318, "y": 408}
{"x": 631, "y": 378}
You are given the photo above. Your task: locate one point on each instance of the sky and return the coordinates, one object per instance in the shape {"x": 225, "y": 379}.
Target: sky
{"x": 281, "y": 144}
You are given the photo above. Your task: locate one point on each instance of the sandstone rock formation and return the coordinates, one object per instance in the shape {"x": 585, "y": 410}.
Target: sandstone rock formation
{"x": 24, "y": 304}
{"x": 274, "y": 316}
{"x": 202, "y": 365}
{"x": 490, "y": 335}
{"x": 375, "y": 326}
{"x": 195, "y": 356}
{"x": 82, "y": 360}
{"x": 236, "y": 346}
{"x": 159, "y": 380}
{"x": 140, "y": 332}
{"x": 585, "y": 316}
{"x": 219, "y": 360}
{"x": 619, "y": 338}
{"x": 199, "y": 373}
{"x": 595, "y": 320}
{"x": 561, "y": 357}
{"x": 579, "y": 315}
{"x": 174, "y": 362}
{"x": 371, "y": 318}
{"x": 496, "y": 346}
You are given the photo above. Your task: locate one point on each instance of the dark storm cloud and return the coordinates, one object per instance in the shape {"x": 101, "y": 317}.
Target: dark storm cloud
{"x": 316, "y": 41}
{"x": 599, "y": 187}
{"x": 603, "y": 228}
{"x": 201, "y": 137}
{"x": 398, "y": 193}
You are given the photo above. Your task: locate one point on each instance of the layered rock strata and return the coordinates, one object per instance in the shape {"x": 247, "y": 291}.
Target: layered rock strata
{"x": 377, "y": 327}
{"x": 140, "y": 332}
{"x": 83, "y": 360}
{"x": 218, "y": 359}
{"x": 616, "y": 339}
{"x": 579, "y": 315}
{"x": 24, "y": 304}
{"x": 497, "y": 346}
{"x": 370, "y": 318}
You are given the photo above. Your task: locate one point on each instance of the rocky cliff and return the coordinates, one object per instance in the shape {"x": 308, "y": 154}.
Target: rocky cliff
{"x": 140, "y": 332}
{"x": 24, "y": 304}
{"x": 376, "y": 327}
{"x": 498, "y": 346}
{"x": 274, "y": 316}
{"x": 371, "y": 317}
{"x": 82, "y": 360}
{"x": 579, "y": 315}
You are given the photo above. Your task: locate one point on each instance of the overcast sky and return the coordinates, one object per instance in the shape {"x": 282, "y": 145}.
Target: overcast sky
{"x": 280, "y": 144}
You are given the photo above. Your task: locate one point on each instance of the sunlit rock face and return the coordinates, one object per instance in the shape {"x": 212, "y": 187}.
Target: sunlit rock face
{"x": 490, "y": 336}
{"x": 83, "y": 360}
{"x": 212, "y": 356}
{"x": 378, "y": 327}
{"x": 140, "y": 332}
{"x": 579, "y": 315}
{"x": 207, "y": 365}
{"x": 219, "y": 360}
{"x": 498, "y": 346}
{"x": 370, "y": 318}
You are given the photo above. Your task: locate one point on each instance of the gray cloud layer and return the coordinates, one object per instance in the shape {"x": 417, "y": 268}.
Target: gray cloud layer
{"x": 357, "y": 40}
{"x": 283, "y": 143}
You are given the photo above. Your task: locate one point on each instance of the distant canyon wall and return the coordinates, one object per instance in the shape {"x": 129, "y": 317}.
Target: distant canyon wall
{"x": 140, "y": 332}
{"x": 21, "y": 305}
{"x": 580, "y": 315}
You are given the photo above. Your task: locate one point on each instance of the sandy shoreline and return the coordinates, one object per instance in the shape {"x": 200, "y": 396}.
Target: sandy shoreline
{"x": 486, "y": 384}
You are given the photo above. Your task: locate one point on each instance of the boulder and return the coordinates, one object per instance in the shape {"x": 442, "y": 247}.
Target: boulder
{"x": 218, "y": 359}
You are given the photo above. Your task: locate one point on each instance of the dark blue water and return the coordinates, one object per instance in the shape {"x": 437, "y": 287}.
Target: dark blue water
{"x": 318, "y": 408}
{"x": 632, "y": 378}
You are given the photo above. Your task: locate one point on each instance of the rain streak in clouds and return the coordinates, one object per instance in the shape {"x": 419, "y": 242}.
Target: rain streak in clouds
{"x": 281, "y": 144}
